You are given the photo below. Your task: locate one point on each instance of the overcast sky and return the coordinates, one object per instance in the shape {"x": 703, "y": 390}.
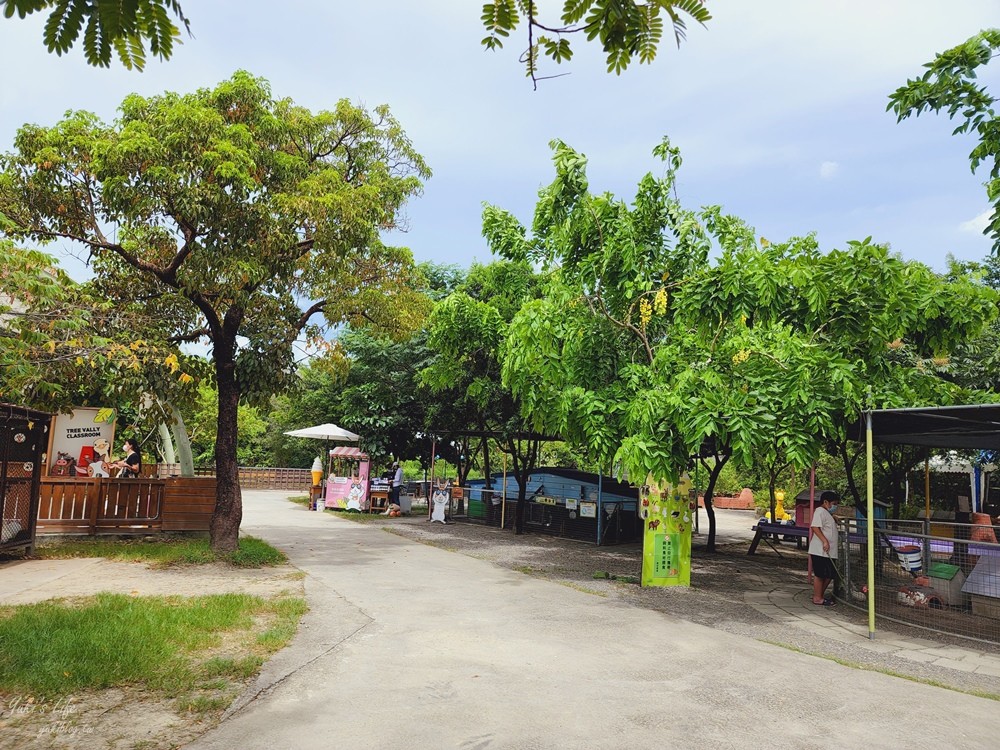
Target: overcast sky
{"x": 778, "y": 108}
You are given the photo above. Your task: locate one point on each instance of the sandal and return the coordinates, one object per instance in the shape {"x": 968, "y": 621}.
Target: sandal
{"x": 825, "y": 603}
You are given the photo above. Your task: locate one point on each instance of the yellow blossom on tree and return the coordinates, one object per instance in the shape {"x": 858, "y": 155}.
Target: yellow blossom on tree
{"x": 645, "y": 312}
{"x": 660, "y": 301}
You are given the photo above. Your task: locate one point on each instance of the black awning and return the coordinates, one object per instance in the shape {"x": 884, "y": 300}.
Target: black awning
{"x": 975, "y": 426}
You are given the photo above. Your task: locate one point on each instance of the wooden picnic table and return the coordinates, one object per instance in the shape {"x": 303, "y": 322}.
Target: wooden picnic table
{"x": 766, "y": 530}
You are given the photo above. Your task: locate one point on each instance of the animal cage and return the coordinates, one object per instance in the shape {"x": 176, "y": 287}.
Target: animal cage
{"x": 24, "y": 439}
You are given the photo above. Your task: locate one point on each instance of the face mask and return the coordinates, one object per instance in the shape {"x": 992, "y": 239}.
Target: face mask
{"x": 833, "y": 507}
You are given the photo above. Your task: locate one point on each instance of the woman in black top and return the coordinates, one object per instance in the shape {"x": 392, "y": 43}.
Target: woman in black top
{"x": 131, "y": 465}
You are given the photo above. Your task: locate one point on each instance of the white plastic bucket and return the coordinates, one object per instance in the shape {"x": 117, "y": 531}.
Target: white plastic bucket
{"x": 910, "y": 558}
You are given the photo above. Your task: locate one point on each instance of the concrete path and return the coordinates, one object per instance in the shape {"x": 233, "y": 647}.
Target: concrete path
{"x": 411, "y": 646}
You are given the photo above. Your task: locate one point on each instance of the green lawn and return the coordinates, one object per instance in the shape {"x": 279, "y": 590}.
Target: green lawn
{"x": 252, "y": 552}
{"x": 188, "y": 649}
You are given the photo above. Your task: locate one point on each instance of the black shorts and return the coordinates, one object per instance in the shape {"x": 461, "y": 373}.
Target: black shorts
{"x": 823, "y": 567}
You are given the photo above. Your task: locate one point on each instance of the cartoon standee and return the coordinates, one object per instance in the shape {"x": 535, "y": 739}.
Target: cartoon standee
{"x": 667, "y": 514}
{"x": 64, "y": 466}
{"x": 101, "y": 465}
{"x": 440, "y": 501}
{"x": 356, "y": 495}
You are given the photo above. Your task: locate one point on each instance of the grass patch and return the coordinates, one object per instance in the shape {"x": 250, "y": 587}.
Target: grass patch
{"x": 300, "y": 500}
{"x": 167, "y": 645}
{"x": 255, "y": 553}
{"x": 581, "y": 588}
{"x": 164, "y": 552}
{"x": 359, "y": 517}
{"x": 605, "y": 576}
{"x": 889, "y": 672}
{"x": 219, "y": 666}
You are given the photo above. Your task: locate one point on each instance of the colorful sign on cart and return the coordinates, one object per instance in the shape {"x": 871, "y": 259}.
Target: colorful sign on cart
{"x": 667, "y": 516}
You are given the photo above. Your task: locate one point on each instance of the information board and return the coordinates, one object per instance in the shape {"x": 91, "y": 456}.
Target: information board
{"x": 667, "y": 514}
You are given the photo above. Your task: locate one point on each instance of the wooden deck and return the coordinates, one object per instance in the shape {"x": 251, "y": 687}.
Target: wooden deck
{"x": 96, "y": 505}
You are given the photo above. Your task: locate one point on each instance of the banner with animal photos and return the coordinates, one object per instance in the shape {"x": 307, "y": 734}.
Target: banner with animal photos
{"x": 667, "y": 514}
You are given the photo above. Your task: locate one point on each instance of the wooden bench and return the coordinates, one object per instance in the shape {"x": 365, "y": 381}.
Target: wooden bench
{"x": 765, "y": 530}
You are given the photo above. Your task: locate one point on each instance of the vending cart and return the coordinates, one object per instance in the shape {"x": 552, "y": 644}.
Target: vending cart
{"x": 347, "y": 479}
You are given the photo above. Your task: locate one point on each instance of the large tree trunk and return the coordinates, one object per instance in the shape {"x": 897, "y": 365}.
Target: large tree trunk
{"x": 225, "y": 526}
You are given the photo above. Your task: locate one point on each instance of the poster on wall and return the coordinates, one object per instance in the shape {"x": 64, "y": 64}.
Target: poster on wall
{"x": 667, "y": 517}
{"x": 81, "y": 442}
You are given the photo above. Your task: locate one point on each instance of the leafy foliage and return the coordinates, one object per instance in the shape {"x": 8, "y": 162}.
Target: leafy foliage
{"x": 62, "y": 344}
{"x": 643, "y": 349}
{"x": 120, "y": 28}
{"x": 468, "y": 331}
{"x": 950, "y": 84}
{"x": 625, "y": 29}
{"x": 239, "y": 220}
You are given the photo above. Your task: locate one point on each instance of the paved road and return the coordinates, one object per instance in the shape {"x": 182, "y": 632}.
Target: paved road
{"x": 412, "y": 646}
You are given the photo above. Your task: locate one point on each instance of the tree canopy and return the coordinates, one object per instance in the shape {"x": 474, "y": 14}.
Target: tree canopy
{"x": 468, "y": 332}
{"x": 233, "y": 218}
{"x": 110, "y": 28}
{"x": 646, "y": 349}
{"x": 625, "y": 29}
{"x": 950, "y": 85}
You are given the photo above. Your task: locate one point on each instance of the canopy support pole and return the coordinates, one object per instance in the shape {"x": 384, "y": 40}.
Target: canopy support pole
{"x": 812, "y": 509}
{"x": 870, "y": 526}
{"x": 503, "y": 502}
{"x": 927, "y": 488}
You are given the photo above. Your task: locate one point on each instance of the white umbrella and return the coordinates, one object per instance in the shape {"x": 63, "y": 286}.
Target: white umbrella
{"x": 328, "y": 431}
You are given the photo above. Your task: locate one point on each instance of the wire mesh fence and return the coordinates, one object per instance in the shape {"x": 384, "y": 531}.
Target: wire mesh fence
{"x": 606, "y": 522}
{"x": 943, "y": 577}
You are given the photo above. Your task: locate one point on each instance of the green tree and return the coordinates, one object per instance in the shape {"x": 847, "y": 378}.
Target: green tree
{"x": 950, "y": 84}
{"x": 468, "y": 330}
{"x": 976, "y": 363}
{"x": 370, "y": 384}
{"x": 644, "y": 350}
{"x": 251, "y": 428}
{"x": 120, "y": 28}
{"x": 240, "y": 219}
{"x": 625, "y": 29}
{"x": 63, "y": 344}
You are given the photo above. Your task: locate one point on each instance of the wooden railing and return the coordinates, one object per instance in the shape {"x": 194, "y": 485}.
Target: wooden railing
{"x": 266, "y": 477}
{"x": 188, "y": 503}
{"x": 97, "y": 505}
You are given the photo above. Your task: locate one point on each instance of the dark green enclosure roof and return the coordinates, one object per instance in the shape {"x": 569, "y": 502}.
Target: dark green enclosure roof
{"x": 975, "y": 426}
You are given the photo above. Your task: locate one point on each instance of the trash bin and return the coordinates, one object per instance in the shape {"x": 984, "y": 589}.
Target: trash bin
{"x": 910, "y": 557}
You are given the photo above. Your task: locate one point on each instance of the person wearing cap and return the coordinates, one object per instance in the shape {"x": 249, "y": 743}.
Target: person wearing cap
{"x": 823, "y": 547}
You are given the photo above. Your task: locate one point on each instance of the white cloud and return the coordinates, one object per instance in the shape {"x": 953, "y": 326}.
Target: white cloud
{"x": 978, "y": 224}
{"x": 828, "y": 170}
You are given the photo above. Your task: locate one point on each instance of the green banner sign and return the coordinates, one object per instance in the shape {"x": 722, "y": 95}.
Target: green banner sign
{"x": 667, "y": 514}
